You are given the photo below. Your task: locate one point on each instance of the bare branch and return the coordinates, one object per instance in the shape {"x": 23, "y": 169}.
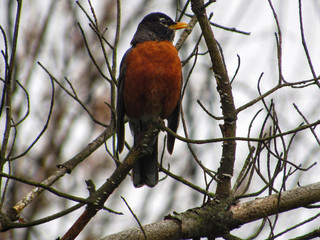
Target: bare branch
{"x": 191, "y": 223}
{"x": 225, "y": 170}
{"x": 304, "y": 44}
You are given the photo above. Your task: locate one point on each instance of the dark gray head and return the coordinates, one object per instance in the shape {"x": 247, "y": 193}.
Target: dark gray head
{"x": 156, "y": 27}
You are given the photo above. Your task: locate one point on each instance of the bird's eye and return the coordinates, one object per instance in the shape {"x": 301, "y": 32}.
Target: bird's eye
{"x": 164, "y": 22}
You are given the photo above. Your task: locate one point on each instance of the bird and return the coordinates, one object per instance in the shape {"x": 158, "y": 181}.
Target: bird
{"x": 149, "y": 87}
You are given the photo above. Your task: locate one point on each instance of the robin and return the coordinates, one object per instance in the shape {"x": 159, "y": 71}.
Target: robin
{"x": 149, "y": 87}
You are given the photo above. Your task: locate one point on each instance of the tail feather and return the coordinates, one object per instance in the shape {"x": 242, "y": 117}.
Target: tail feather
{"x": 145, "y": 170}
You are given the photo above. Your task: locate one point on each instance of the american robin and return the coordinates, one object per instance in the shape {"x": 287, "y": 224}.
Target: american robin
{"x": 149, "y": 87}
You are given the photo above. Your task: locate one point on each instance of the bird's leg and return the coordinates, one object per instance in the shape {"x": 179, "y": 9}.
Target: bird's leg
{"x": 158, "y": 121}
{"x": 147, "y": 139}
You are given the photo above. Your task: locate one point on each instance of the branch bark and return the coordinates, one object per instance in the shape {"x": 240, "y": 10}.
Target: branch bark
{"x": 215, "y": 220}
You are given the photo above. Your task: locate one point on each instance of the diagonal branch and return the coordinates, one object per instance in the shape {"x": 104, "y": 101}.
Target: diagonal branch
{"x": 67, "y": 167}
{"x": 100, "y": 196}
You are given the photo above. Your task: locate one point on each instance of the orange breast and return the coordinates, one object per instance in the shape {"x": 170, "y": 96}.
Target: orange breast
{"x": 152, "y": 82}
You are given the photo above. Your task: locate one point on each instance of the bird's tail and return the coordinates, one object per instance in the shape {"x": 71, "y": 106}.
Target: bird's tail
{"x": 145, "y": 170}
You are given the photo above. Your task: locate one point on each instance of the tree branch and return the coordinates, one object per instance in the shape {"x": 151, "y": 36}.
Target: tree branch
{"x": 212, "y": 220}
{"x": 100, "y": 196}
{"x": 225, "y": 170}
{"x": 67, "y": 167}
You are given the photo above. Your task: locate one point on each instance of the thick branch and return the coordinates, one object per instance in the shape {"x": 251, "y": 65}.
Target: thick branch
{"x": 218, "y": 219}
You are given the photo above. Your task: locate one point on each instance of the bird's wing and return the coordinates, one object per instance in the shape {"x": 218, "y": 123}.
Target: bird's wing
{"x": 173, "y": 123}
{"x": 120, "y": 104}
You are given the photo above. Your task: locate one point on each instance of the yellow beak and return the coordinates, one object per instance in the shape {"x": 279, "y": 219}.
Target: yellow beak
{"x": 179, "y": 25}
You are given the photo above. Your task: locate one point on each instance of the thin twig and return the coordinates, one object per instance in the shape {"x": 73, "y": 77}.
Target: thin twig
{"x": 306, "y": 120}
{"x": 279, "y": 42}
{"x": 67, "y": 167}
{"x": 8, "y": 90}
{"x": 187, "y": 183}
{"x": 237, "y": 70}
{"x": 44, "y": 127}
{"x": 135, "y": 217}
{"x": 259, "y": 139}
{"x": 42, "y": 220}
{"x": 299, "y": 84}
{"x": 304, "y": 44}
{"x": 73, "y": 94}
